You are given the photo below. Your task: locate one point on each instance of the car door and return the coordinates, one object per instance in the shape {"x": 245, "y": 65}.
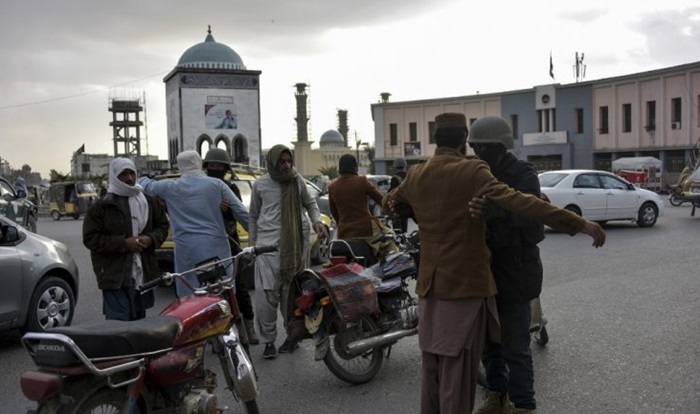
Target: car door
{"x": 590, "y": 196}
{"x": 621, "y": 200}
{"x": 10, "y": 280}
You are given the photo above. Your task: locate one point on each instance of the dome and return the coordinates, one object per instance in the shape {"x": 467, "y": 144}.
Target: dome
{"x": 332, "y": 138}
{"x": 210, "y": 55}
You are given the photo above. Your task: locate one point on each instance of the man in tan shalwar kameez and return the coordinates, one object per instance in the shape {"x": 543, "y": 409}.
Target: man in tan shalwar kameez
{"x": 455, "y": 286}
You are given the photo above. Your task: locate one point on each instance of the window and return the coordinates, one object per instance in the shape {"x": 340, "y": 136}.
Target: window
{"x": 651, "y": 116}
{"x": 514, "y": 126}
{"x": 86, "y": 167}
{"x": 413, "y": 131}
{"x": 431, "y": 132}
{"x": 612, "y": 182}
{"x": 603, "y": 126}
{"x": 676, "y": 110}
{"x": 393, "y": 135}
{"x": 626, "y": 117}
{"x": 586, "y": 181}
{"x": 578, "y": 115}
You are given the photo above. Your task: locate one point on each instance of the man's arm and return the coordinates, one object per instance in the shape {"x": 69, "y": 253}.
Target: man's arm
{"x": 254, "y": 214}
{"x": 312, "y": 208}
{"x": 240, "y": 213}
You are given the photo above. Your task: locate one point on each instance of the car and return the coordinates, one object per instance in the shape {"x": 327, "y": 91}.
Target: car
{"x": 383, "y": 183}
{"x": 601, "y": 196}
{"x": 19, "y": 210}
{"x": 40, "y": 280}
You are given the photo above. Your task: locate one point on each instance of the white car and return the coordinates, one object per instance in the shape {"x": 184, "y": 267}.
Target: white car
{"x": 601, "y": 196}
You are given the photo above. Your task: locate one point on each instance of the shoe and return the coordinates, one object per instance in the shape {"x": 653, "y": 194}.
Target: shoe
{"x": 516, "y": 410}
{"x": 289, "y": 346}
{"x": 494, "y": 403}
{"x": 270, "y": 351}
{"x": 250, "y": 330}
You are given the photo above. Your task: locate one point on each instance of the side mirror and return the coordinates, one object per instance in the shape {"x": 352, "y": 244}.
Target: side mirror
{"x": 11, "y": 234}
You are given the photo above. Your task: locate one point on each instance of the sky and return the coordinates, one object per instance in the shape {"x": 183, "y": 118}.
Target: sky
{"x": 62, "y": 61}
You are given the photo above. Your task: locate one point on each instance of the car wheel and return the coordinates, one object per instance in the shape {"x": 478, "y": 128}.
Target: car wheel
{"x": 648, "y": 213}
{"x": 31, "y": 224}
{"x": 52, "y": 304}
{"x": 573, "y": 209}
{"x": 55, "y": 215}
{"x": 320, "y": 253}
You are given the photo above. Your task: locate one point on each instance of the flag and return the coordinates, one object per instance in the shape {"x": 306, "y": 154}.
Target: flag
{"x": 551, "y": 66}
{"x": 80, "y": 150}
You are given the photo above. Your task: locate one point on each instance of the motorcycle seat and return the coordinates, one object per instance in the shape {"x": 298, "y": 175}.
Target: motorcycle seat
{"x": 108, "y": 339}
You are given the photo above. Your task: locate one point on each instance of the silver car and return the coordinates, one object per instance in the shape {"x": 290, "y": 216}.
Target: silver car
{"x": 38, "y": 280}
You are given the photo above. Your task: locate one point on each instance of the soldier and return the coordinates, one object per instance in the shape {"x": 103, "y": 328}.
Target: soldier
{"x": 517, "y": 270}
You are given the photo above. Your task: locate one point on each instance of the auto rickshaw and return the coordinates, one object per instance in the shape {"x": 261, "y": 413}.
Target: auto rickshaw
{"x": 71, "y": 198}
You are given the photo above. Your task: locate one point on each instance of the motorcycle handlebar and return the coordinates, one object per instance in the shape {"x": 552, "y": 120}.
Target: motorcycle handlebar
{"x": 248, "y": 251}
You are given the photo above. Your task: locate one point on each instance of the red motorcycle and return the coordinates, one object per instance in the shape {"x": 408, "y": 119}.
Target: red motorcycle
{"x": 152, "y": 365}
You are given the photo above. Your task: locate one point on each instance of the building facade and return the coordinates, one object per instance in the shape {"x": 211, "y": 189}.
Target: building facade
{"x": 580, "y": 125}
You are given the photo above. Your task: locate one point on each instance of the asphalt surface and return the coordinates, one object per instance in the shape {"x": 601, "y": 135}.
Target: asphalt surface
{"x": 622, "y": 320}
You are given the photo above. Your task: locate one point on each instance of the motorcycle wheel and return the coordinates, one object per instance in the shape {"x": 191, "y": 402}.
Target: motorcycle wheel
{"x": 353, "y": 369}
{"x": 251, "y": 407}
{"x": 228, "y": 365}
{"x": 104, "y": 401}
{"x": 675, "y": 200}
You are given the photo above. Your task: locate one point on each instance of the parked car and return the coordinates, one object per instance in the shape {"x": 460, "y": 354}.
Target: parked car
{"x": 39, "y": 280}
{"x": 19, "y": 210}
{"x": 601, "y": 196}
{"x": 383, "y": 183}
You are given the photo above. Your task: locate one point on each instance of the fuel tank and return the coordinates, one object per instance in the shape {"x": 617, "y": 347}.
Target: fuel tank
{"x": 202, "y": 316}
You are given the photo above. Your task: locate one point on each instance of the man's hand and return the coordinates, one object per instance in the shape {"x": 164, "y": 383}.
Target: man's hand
{"x": 321, "y": 230}
{"x": 224, "y": 205}
{"x": 476, "y": 207}
{"x": 135, "y": 244}
{"x": 596, "y": 232}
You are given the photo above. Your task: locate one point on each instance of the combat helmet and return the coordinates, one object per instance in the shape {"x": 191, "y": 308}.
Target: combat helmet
{"x": 217, "y": 155}
{"x": 400, "y": 164}
{"x": 491, "y": 130}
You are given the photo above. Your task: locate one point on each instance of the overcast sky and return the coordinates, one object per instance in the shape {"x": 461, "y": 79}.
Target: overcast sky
{"x": 62, "y": 59}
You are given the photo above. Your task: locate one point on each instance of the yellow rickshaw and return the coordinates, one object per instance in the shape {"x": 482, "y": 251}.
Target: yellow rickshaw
{"x": 71, "y": 198}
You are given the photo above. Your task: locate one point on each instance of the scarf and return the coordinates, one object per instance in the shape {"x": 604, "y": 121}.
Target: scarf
{"x": 138, "y": 205}
{"x": 347, "y": 164}
{"x": 190, "y": 163}
{"x": 292, "y": 236}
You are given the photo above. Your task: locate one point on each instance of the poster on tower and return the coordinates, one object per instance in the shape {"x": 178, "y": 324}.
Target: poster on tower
{"x": 220, "y": 113}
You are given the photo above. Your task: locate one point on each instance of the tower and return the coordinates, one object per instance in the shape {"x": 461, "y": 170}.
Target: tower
{"x": 302, "y": 117}
{"x": 343, "y": 124}
{"x": 126, "y": 124}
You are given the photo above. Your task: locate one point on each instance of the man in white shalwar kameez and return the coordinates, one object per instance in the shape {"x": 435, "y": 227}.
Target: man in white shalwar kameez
{"x": 279, "y": 205}
{"x": 193, "y": 203}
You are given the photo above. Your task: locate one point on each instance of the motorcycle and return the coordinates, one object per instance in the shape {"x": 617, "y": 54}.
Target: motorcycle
{"x": 675, "y": 196}
{"x": 152, "y": 365}
{"x": 356, "y": 309}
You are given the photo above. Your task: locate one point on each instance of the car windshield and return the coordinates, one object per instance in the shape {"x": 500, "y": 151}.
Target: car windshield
{"x": 551, "y": 179}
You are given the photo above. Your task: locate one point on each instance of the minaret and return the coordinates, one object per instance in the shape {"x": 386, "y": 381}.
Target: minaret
{"x": 343, "y": 124}
{"x": 302, "y": 146}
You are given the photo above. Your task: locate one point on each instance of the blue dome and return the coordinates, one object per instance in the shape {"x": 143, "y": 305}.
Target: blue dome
{"x": 332, "y": 138}
{"x": 210, "y": 55}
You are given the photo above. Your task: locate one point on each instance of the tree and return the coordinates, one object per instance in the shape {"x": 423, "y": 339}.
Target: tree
{"x": 330, "y": 172}
{"x": 369, "y": 149}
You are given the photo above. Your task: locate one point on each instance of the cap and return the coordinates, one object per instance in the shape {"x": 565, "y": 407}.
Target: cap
{"x": 450, "y": 120}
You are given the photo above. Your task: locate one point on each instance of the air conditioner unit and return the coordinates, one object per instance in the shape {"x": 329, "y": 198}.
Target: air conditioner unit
{"x": 675, "y": 125}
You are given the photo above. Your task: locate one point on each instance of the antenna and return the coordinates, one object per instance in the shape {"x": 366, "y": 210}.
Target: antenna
{"x": 579, "y": 68}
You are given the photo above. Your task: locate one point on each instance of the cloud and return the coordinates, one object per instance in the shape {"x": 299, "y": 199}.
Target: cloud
{"x": 671, "y": 36}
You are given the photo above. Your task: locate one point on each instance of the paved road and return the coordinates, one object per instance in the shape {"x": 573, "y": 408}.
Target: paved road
{"x": 623, "y": 324}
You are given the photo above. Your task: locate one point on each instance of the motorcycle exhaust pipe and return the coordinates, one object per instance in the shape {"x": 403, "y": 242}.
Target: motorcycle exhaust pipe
{"x": 364, "y": 345}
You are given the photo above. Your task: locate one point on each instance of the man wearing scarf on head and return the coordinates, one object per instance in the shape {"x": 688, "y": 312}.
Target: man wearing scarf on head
{"x": 193, "y": 203}
{"x": 122, "y": 231}
{"x": 278, "y": 204}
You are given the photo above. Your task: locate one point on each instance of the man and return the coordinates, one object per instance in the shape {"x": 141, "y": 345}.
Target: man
{"x": 193, "y": 203}
{"x": 228, "y": 122}
{"x": 217, "y": 163}
{"x": 122, "y": 232}
{"x": 455, "y": 287}
{"x": 278, "y": 205}
{"x": 396, "y": 179}
{"x": 517, "y": 270}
